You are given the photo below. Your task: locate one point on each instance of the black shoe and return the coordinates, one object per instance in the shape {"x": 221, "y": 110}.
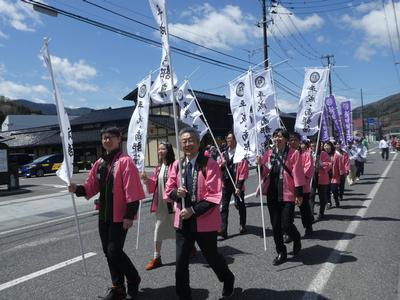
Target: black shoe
{"x": 320, "y": 218}
{"x": 308, "y": 232}
{"x": 228, "y": 288}
{"x": 133, "y": 288}
{"x": 287, "y": 239}
{"x": 115, "y": 293}
{"x": 280, "y": 259}
{"x": 296, "y": 246}
{"x": 242, "y": 229}
{"x": 223, "y": 234}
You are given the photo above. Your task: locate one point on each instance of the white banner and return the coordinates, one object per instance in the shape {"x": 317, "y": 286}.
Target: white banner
{"x": 66, "y": 170}
{"x": 311, "y": 101}
{"x": 267, "y": 118}
{"x": 189, "y": 112}
{"x": 243, "y": 125}
{"x": 137, "y": 130}
{"x": 161, "y": 90}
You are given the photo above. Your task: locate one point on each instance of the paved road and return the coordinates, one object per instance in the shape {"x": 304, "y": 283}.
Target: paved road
{"x": 354, "y": 254}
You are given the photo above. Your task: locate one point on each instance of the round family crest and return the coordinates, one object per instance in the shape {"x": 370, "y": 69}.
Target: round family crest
{"x": 329, "y": 101}
{"x": 260, "y": 81}
{"x": 142, "y": 91}
{"x": 314, "y": 77}
{"x": 346, "y": 106}
{"x": 240, "y": 89}
{"x": 180, "y": 95}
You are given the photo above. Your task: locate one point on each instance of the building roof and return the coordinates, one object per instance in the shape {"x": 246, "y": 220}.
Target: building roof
{"x": 104, "y": 115}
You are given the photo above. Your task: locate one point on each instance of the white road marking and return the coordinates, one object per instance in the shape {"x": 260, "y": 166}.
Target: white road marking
{"x": 43, "y": 271}
{"x": 319, "y": 282}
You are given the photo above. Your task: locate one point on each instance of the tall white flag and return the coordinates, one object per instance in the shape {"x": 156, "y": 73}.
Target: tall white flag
{"x": 311, "y": 101}
{"x": 189, "y": 112}
{"x": 243, "y": 125}
{"x": 137, "y": 130}
{"x": 162, "y": 88}
{"x": 66, "y": 170}
{"x": 267, "y": 118}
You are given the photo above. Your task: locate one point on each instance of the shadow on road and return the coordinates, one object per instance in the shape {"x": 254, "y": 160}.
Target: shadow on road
{"x": 168, "y": 293}
{"x": 330, "y": 235}
{"x": 318, "y": 254}
{"x": 262, "y": 294}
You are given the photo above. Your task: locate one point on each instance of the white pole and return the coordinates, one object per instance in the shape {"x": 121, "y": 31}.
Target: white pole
{"x": 65, "y": 152}
{"x": 258, "y": 166}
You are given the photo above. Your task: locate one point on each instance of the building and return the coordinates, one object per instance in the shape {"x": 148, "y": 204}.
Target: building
{"x": 16, "y": 122}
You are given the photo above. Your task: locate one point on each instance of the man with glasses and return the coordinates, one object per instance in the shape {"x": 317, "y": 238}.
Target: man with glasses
{"x": 197, "y": 216}
{"x": 116, "y": 177}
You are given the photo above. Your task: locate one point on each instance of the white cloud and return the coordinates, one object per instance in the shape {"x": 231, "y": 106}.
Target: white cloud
{"x": 322, "y": 39}
{"x": 374, "y": 29}
{"x": 366, "y": 7}
{"x": 288, "y": 105}
{"x": 18, "y": 15}
{"x": 3, "y": 35}
{"x": 284, "y": 20}
{"x": 216, "y": 28}
{"x": 74, "y": 75}
{"x": 14, "y": 90}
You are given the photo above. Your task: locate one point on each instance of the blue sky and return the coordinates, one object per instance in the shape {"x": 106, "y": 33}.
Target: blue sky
{"x": 97, "y": 68}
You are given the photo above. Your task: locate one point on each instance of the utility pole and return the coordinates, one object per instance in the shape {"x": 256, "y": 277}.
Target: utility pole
{"x": 264, "y": 22}
{"x": 362, "y": 111}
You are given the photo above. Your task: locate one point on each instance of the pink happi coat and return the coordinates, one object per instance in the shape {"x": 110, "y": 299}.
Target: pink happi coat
{"x": 308, "y": 167}
{"x": 325, "y": 164}
{"x": 208, "y": 189}
{"x": 337, "y": 167}
{"x": 346, "y": 162}
{"x": 294, "y": 164}
{"x": 127, "y": 185}
{"x": 242, "y": 170}
{"x": 152, "y": 187}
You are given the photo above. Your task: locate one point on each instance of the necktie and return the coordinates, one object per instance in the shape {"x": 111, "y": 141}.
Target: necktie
{"x": 189, "y": 178}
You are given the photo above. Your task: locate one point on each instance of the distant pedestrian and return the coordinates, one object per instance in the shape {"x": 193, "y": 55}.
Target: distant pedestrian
{"x": 361, "y": 158}
{"x": 384, "y": 146}
{"x": 116, "y": 178}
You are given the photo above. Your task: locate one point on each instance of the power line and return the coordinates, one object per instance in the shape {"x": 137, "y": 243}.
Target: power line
{"x": 390, "y": 40}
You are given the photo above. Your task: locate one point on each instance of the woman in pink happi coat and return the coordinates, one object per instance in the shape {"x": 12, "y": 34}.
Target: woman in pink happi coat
{"x": 283, "y": 180}
{"x": 345, "y": 168}
{"x": 199, "y": 219}
{"x": 163, "y": 209}
{"x": 336, "y": 171}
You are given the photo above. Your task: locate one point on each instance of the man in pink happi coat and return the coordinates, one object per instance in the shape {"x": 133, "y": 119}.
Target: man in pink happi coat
{"x": 198, "y": 220}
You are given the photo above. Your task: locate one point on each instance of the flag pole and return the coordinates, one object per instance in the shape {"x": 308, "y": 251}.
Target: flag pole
{"x": 212, "y": 136}
{"x": 65, "y": 152}
{"x": 178, "y": 151}
{"x": 258, "y": 166}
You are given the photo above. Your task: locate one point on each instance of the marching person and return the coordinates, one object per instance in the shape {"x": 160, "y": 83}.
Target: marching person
{"x": 163, "y": 210}
{"x": 116, "y": 177}
{"x": 360, "y": 158}
{"x": 199, "y": 219}
{"x": 384, "y": 147}
{"x": 322, "y": 166}
{"x": 337, "y": 170}
{"x": 308, "y": 167}
{"x": 345, "y": 168}
{"x": 352, "y": 151}
{"x": 239, "y": 173}
{"x": 283, "y": 180}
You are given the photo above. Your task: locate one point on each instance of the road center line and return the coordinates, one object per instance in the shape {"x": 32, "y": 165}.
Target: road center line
{"x": 320, "y": 280}
{"x": 44, "y": 271}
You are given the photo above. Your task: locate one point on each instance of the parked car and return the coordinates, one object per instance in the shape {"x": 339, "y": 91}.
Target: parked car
{"x": 44, "y": 165}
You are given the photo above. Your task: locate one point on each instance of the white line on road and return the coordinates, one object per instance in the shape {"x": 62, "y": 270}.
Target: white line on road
{"x": 44, "y": 271}
{"x": 320, "y": 280}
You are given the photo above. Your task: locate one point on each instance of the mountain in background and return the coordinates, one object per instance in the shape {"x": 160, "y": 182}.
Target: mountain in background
{"x": 386, "y": 110}
{"x": 50, "y": 109}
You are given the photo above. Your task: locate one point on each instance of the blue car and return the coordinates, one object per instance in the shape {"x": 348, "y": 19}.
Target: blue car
{"x": 44, "y": 165}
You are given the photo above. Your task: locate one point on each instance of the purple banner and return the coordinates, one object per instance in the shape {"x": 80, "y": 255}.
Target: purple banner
{"x": 347, "y": 120}
{"x": 333, "y": 112}
{"x": 324, "y": 125}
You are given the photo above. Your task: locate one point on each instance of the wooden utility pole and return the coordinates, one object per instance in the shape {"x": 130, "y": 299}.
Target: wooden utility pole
{"x": 264, "y": 23}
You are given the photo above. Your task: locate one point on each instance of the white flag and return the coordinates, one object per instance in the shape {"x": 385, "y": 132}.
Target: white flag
{"x": 311, "y": 101}
{"x": 243, "y": 125}
{"x": 66, "y": 170}
{"x": 137, "y": 130}
{"x": 267, "y": 118}
{"x": 189, "y": 112}
{"x": 162, "y": 88}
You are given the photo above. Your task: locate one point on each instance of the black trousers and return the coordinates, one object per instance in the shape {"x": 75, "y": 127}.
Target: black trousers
{"x": 112, "y": 237}
{"x": 305, "y": 211}
{"x": 341, "y": 186}
{"x": 335, "y": 192}
{"x": 282, "y": 217}
{"x": 239, "y": 205}
{"x": 385, "y": 153}
{"x": 359, "y": 168}
{"x": 207, "y": 242}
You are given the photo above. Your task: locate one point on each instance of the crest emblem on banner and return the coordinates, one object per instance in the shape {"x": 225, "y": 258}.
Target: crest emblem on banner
{"x": 240, "y": 89}
{"x": 260, "y": 81}
{"x": 329, "y": 101}
{"x": 180, "y": 95}
{"x": 142, "y": 91}
{"x": 346, "y": 106}
{"x": 314, "y": 77}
